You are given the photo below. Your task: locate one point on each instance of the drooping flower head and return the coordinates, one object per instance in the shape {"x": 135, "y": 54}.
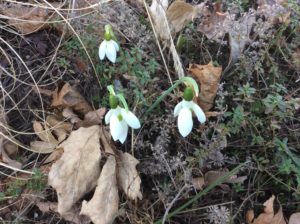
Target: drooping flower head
{"x": 120, "y": 118}
{"x": 186, "y": 107}
{"x": 109, "y": 46}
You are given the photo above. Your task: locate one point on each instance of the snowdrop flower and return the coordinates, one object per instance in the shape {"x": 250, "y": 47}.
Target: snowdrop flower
{"x": 184, "y": 111}
{"x": 108, "y": 47}
{"x": 119, "y": 120}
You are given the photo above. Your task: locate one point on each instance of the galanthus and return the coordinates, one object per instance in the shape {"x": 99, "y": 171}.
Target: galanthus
{"x": 120, "y": 118}
{"x": 184, "y": 111}
{"x": 108, "y": 47}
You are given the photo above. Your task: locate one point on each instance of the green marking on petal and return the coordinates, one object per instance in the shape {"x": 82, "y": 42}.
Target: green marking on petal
{"x": 120, "y": 118}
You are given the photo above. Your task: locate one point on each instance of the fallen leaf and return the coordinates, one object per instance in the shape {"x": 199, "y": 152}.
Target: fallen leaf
{"x": 128, "y": 178}
{"x": 74, "y": 217}
{"x": 69, "y": 114}
{"x": 93, "y": 117}
{"x": 8, "y": 148}
{"x": 54, "y": 156}
{"x": 198, "y": 183}
{"x": 103, "y": 207}
{"x": 42, "y": 147}
{"x": 295, "y": 218}
{"x": 296, "y": 59}
{"x": 268, "y": 216}
{"x": 76, "y": 172}
{"x": 44, "y": 132}
{"x": 249, "y": 216}
{"x": 27, "y": 19}
{"x": 209, "y": 78}
{"x": 52, "y": 132}
{"x": 213, "y": 175}
{"x": 106, "y": 142}
{"x": 67, "y": 96}
{"x": 180, "y": 13}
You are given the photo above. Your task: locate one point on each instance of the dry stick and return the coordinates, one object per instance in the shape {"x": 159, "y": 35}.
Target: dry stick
{"x": 172, "y": 203}
{"x": 15, "y": 169}
{"x": 157, "y": 42}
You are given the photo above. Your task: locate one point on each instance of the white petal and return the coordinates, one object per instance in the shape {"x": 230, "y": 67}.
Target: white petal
{"x": 115, "y": 128}
{"x": 131, "y": 119}
{"x": 199, "y": 113}
{"x": 177, "y": 109}
{"x": 185, "y": 121}
{"x": 188, "y": 104}
{"x": 116, "y": 45}
{"x": 111, "y": 52}
{"x": 102, "y": 49}
{"x": 124, "y": 132}
{"x": 107, "y": 116}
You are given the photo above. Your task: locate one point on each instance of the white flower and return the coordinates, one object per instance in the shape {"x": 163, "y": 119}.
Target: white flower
{"x": 108, "y": 48}
{"x": 119, "y": 120}
{"x": 184, "y": 111}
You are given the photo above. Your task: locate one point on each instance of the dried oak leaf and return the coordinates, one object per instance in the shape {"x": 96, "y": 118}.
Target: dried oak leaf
{"x": 180, "y": 13}
{"x": 76, "y": 172}
{"x": 268, "y": 216}
{"x": 295, "y": 218}
{"x": 209, "y": 78}
{"x": 128, "y": 178}
{"x": 67, "y": 96}
{"x": 27, "y": 19}
{"x": 103, "y": 207}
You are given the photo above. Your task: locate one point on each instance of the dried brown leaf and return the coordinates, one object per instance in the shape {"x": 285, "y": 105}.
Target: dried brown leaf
{"x": 198, "y": 183}
{"x": 27, "y": 19}
{"x": 268, "y": 216}
{"x": 106, "y": 142}
{"x": 128, "y": 178}
{"x": 209, "y": 78}
{"x": 179, "y": 14}
{"x": 54, "y": 156}
{"x": 44, "y": 133}
{"x": 67, "y": 96}
{"x": 42, "y": 147}
{"x": 103, "y": 207}
{"x": 295, "y": 218}
{"x": 76, "y": 172}
{"x": 73, "y": 217}
{"x": 93, "y": 117}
